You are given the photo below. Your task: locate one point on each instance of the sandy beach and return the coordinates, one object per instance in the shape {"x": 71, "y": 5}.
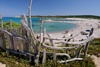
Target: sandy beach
{"x": 82, "y": 25}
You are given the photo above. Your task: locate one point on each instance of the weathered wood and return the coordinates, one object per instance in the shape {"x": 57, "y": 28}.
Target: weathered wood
{"x": 1, "y": 21}
{"x": 30, "y": 23}
{"x": 30, "y": 37}
{"x": 25, "y": 43}
{"x": 5, "y": 31}
{"x": 29, "y": 14}
{"x": 20, "y": 53}
{"x": 25, "y": 19}
{"x": 67, "y": 51}
{"x": 58, "y": 48}
{"x": 33, "y": 40}
{"x": 54, "y": 54}
{"x": 25, "y": 26}
{"x": 44, "y": 55}
{"x": 32, "y": 33}
{"x": 44, "y": 35}
{"x": 10, "y": 41}
{"x": 19, "y": 41}
{"x": 2, "y": 41}
{"x": 1, "y": 25}
{"x": 54, "y": 38}
{"x": 65, "y": 61}
{"x": 52, "y": 43}
{"x": 79, "y": 44}
{"x": 10, "y": 25}
{"x": 15, "y": 43}
{"x": 86, "y": 48}
{"x": 44, "y": 49}
{"x": 19, "y": 32}
{"x": 39, "y": 46}
{"x": 14, "y": 40}
{"x": 14, "y": 33}
{"x": 79, "y": 51}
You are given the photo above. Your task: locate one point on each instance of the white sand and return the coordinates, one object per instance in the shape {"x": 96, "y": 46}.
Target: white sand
{"x": 96, "y": 60}
{"x": 83, "y": 25}
{"x": 2, "y": 65}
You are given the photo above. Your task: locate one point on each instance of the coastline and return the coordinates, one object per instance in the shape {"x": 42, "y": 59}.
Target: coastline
{"x": 82, "y": 25}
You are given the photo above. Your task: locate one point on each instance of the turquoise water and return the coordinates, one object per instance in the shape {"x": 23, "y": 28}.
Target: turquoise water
{"x": 60, "y": 24}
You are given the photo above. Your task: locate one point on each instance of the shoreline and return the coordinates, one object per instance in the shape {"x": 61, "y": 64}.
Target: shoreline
{"x": 82, "y": 25}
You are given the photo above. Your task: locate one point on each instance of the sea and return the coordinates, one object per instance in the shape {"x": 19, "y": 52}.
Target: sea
{"x": 51, "y": 24}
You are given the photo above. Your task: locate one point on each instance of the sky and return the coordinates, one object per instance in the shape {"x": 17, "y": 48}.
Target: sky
{"x": 50, "y": 7}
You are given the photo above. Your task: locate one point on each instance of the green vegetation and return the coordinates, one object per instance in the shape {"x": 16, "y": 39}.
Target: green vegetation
{"x": 71, "y": 16}
{"x": 15, "y": 61}
{"x": 14, "y": 25}
{"x": 94, "y": 47}
{"x": 12, "y": 60}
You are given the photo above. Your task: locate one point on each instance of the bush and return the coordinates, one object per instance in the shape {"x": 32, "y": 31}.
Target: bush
{"x": 94, "y": 47}
{"x": 14, "y": 25}
{"x": 15, "y": 61}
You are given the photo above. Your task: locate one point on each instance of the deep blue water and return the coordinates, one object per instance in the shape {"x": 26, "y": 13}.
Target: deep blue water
{"x": 60, "y": 24}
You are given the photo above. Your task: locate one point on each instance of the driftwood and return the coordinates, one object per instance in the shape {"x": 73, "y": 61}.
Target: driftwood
{"x": 21, "y": 43}
{"x": 2, "y": 41}
{"x": 10, "y": 25}
{"x": 9, "y": 39}
{"x": 24, "y": 35}
{"x": 32, "y": 40}
{"x": 1, "y": 21}
{"x": 17, "y": 42}
{"x": 79, "y": 45}
{"x": 66, "y": 61}
{"x": 13, "y": 41}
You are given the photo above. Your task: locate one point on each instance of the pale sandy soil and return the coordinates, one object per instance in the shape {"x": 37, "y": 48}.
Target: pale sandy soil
{"x": 2, "y": 65}
{"x": 96, "y": 60}
{"x": 83, "y": 25}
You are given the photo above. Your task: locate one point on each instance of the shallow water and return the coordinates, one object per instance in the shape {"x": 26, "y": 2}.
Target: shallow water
{"x": 57, "y": 24}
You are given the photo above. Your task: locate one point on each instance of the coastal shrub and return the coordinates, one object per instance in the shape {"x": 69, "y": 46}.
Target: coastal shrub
{"x": 12, "y": 60}
{"x": 15, "y": 61}
{"x": 86, "y": 63}
{"x": 94, "y": 47}
{"x": 14, "y": 25}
